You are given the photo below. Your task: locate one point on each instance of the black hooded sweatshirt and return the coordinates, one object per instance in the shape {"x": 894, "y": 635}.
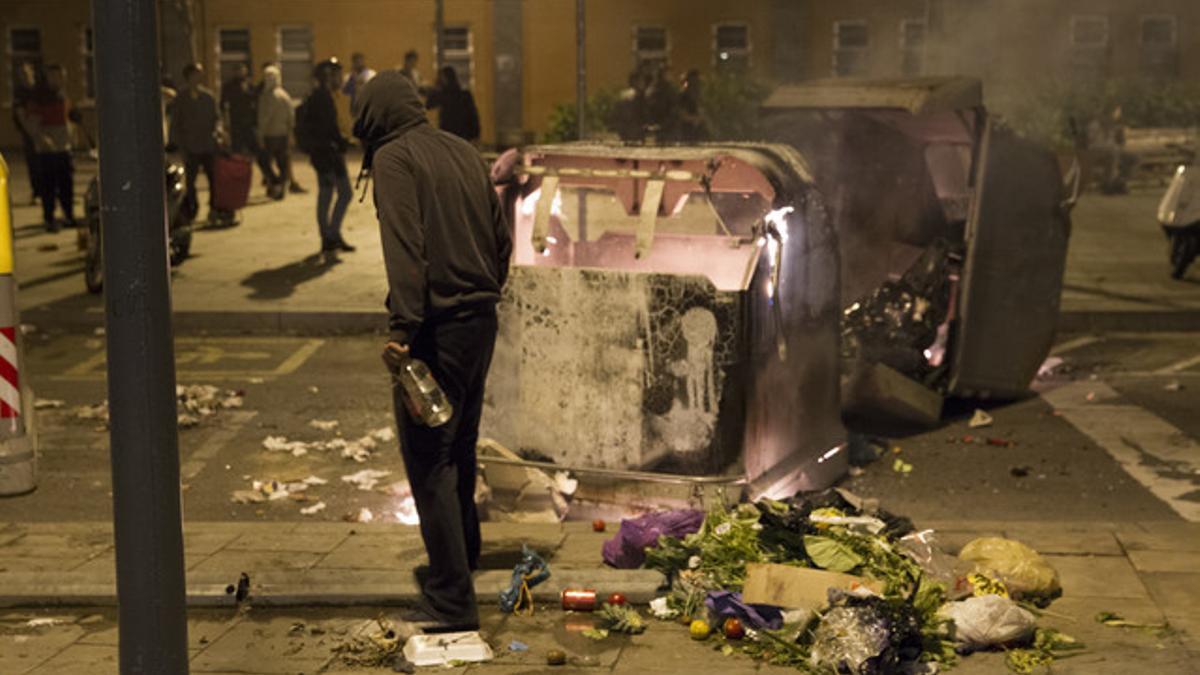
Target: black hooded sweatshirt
{"x": 446, "y": 242}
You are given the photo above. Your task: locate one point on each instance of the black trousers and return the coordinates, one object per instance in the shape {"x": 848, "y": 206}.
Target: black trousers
{"x": 441, "y": 462}
{"x": 192, "y": 164}
{"x": 56, "y": 182}
{"x": 275, "y": 148}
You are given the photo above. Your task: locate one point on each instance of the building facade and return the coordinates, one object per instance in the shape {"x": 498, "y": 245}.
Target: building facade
{"x": 518, "y": 56}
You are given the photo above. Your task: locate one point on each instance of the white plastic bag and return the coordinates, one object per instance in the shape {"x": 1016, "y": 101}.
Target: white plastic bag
{"x": 988, "y": 621}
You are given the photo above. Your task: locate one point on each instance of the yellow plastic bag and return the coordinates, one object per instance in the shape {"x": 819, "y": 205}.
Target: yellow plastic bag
{"x": 1026, "y": 574}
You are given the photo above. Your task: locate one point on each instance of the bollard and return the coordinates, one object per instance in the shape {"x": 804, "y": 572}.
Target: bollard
{"x": 18, "y": 440}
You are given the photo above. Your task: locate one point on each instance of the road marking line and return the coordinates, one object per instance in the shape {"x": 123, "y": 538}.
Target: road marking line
{"x": 298, "y": 357}
{"x": 214, "y": 444}
{"x": 1073, "y": 344}
{"x": 1159, "y": 456}
{"x": 92, "y": 368}
{"x": 1181, "y": 365}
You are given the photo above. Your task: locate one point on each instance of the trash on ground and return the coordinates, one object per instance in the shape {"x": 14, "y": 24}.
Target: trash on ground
{"x": 796, "y": 587}
{"x": 1173, "y": 385}
{"x": 445, "y": 648}
{"x": 661, "y": 609}
{"x": 1001, "y": 442}
{"x": 364, "y": 515}
{"x": 556, "y": 657}
{"x": 578, "y": 599}
{"x": 902, "y": 467}
{"x": 44, "y": 622}
{"x": 1025, "y": 573}
{"x": 314, "y": 509}
{"x": 620, "y": 619}
{"x": 376, "y": 649}
{"x": 1020, "y": 471}
{"x": 1114, "y": 620}
{"x": 980, "y": 419}
{"x": 1051, "y": 364}
{"x": 193, "y": 404}
{"x": 526, "y": 574}
{"x": 517, "y": 646}
{"x": 948, "y": 570}
{"x": 699, "y": 629}
{"x": 48, "y": 404}
{"x": 366, "y": 479}
{"x": 627, "y": 550}
{"x": 314, "y": 389}
{"x": 1048, "y": 645}
{"x": 358, "y": 449}
{"x": 728, "y": 604}
{"x": 323, "y": 425}
{"x": 520, "y": 493}
{"x": 985, "y": 621}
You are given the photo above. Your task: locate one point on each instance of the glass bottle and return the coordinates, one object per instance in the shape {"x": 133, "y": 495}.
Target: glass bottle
{"x": 426, "y": 402}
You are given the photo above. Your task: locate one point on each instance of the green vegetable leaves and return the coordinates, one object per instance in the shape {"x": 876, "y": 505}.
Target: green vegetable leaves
{"x": 832, "y": 555}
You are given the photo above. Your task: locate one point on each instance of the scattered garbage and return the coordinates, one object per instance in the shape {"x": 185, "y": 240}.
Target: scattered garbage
{"x": 1173, "y": 385}
{"x": 47, "y": 404}
{"x": 980, "y": 419}
{"x": 446, "y": 648}
{"x": 1026, "y": 574}
{"x": 1048, "y": 646}
{"x": 620, "y": 619}
{"x": 901, "y": 467}
{"x": 375, "y": 649}
{"x": 556, "y": 657}
{"x": 598, "y": 525}
{"x": 312, "y": 510}
{"x": 359, "y": 449}
{"x": 1114, "y": 620}
{"x": 528, "y": 573}
{"x": 986, "y": 621}
{"x": 578, "y": 599}
{"x": 1020, "y": 471}
{"x": 815, "y": 583}
{"x": 366, "y": 479}
{"x": 1049, "y": 366}
{"x": 194, "y": 403}
{"x": 273, "y": 490}
{"x": 364, "y": 516}
{"x": 44, "y": 622}
{"x": 323, "y": 425}
{"x": 627, "y": 550}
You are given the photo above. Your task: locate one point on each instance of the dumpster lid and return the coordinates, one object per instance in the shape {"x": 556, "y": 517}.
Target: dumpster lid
{"x": 916, "y": 95}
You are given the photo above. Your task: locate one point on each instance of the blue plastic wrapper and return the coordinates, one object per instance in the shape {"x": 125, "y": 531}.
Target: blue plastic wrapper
{"x": 627, "y": 550}
{"x": 726, "y": 604}
{"x": 531, "y": 571}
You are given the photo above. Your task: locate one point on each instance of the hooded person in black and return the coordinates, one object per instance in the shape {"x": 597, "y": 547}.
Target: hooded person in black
{"x": 446, "y": 247}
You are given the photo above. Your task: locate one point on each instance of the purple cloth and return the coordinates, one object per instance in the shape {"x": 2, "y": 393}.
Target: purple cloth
{"x": 726, "y": 604}
{"x": 627, "y": 550}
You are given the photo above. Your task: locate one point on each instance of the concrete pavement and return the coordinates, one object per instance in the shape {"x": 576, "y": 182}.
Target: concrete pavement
{"x": 1144, "y": 571}
{"x": 264, "y": 275}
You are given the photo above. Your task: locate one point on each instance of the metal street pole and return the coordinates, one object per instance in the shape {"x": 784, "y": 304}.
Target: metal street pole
{"x": 580, "y": 69}
{"x": 147, "y": 519}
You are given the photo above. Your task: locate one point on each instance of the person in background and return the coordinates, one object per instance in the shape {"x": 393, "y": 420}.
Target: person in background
{"x": 23, "y": 88}
{"x": 276, "y": 122}
{"x": 457, "y": 112}
{"x": 196, "y": 132}
{"x": 320, "y": 134}
{"x": 661, "y": 99}
{"x": 409, "y": 70}
{"x": 446, "y": 250}
{"x": 47, "y": 117}
{"x": 359, "y": 76}
{"x": 692, "y": 126}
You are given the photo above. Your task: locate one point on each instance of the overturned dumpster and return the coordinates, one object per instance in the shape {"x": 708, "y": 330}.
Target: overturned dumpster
{"x": 952, "y": 233}
{"x": 672, "y": 315}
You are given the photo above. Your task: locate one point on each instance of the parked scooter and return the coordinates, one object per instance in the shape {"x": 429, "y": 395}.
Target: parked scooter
{"x": 179, "y": 227}
{"x": 1179, "y": 215}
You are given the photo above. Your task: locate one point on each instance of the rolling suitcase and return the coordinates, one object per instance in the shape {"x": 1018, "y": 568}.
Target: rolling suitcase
{"x": 231, "y": 182}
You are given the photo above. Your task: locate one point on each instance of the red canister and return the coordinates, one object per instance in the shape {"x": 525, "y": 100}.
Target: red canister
{"x": 579, "y": 600}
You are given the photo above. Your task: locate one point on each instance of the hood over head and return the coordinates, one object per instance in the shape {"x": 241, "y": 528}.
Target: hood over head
{"x": 387, "y": 107}
{"x": 270, "y": 78}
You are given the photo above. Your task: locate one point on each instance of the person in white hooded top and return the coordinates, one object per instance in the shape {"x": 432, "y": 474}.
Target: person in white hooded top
{"x": 276, "y": 121}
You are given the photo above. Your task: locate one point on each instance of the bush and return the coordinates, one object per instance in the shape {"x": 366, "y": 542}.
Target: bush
{"x": 563, "y": 121}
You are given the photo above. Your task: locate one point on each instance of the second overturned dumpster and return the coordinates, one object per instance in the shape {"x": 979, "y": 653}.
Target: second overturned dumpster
{"x": 672, "y": 312}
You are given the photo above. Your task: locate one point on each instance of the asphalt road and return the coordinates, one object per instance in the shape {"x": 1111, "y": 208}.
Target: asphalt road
{"x": 1055, "y": 465}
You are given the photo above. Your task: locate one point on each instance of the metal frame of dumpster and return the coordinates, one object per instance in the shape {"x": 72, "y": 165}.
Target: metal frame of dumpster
{"x": 904, "y": 163}
{"x": 671, "y": 317}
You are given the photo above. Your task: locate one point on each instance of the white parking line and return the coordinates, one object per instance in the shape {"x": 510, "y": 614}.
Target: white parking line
{"x": 1159, "y": 456}
{"x": 1074, "y": 343}
{"x": 1181, "y": 365}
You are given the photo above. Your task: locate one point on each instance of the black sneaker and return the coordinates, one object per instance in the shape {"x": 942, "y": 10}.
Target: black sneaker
{"x": 342, "y": 245}
{"x": 428, "y": 623}
{"x": 297, "y": 190}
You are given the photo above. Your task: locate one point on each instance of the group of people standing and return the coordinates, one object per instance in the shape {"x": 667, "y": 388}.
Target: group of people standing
{"x": 653, "y": 108}
{"x": 47, "y": 123}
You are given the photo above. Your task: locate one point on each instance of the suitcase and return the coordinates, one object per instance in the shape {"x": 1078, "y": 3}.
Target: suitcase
{"x": 231, "y": 182}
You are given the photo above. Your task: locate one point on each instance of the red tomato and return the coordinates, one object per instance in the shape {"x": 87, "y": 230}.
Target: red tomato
{"x": 733, "y": 629}
{"x": 616, "y": 599}
{"x": 598, "y": 525}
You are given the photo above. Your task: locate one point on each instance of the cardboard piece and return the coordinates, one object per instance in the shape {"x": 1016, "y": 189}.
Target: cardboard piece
{"x": 797, "y": 587}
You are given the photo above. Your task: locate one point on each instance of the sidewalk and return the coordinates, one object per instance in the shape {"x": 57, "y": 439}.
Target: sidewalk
{"x": 264, "y": 275}
{"x": 1146, "y": 572}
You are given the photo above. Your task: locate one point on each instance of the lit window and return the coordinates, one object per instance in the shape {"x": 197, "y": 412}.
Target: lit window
{"x": 912, "y": 46}
{"x": 24, "y": 46}
{"x": 1159, "y": 46}
{"x": 651, "y": 46}
{"x": 459, "y": 52}
{"x": 850, "y": 45}
{"x": 295, "y": 55}
{"x": 233, "y": 50}
{"x": 731, "y": 45}
{"x": 1089, "y": 47}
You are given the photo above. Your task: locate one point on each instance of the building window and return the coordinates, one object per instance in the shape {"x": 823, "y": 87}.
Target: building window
{"x": 1089, "y": 47}
{"x": 87, "y": 53}
{"x": 459, "y": 53}
{"x": 731, "y": 45}
{"x": 1159, "y": 46}
{"x": 912, "y": 47}
{"x": 650, "y": 46}
{"x": 233, "y": 50}
{"x": 294, "y": 52}
{"x": 850, "y": 43}
{"x": 24, "y": 46}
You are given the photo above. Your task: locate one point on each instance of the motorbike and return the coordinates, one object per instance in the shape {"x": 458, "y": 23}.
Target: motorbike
{"x": 1179, "y": 216}
{"x": 179, "y": 227}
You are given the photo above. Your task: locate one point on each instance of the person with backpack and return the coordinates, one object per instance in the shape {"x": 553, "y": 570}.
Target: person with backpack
{"x": 319, "y": 134}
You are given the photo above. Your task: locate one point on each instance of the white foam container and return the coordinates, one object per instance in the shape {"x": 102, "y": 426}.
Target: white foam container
{"x": 442, "y": 648}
